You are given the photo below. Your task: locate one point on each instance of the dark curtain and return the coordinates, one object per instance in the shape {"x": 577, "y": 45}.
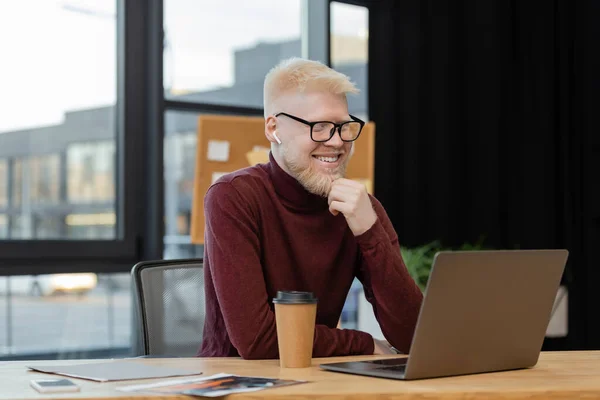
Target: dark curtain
{"x": 487, "y": 127}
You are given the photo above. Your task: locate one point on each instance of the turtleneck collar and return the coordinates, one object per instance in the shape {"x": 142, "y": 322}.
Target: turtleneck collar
{"x": 291, "y": 190}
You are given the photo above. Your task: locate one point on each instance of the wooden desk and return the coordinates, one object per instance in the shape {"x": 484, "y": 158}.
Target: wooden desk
{"x": 557, "y": 375}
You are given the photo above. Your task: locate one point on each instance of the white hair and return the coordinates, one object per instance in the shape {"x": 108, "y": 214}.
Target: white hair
{"x": 299, "y": 75}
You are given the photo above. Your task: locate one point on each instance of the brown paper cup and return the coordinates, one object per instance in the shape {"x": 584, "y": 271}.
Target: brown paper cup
{"x": 295, "y": 320}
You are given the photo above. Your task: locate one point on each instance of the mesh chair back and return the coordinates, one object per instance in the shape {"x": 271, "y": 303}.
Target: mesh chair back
{"x": 170, "y": 306}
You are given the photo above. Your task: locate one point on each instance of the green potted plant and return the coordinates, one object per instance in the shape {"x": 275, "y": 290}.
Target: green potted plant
{"x": 419, "y": 259}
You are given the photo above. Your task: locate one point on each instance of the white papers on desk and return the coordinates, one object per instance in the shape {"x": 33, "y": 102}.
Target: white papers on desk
{"x": 114, "y": 371}
{"x": 211, "y": 386}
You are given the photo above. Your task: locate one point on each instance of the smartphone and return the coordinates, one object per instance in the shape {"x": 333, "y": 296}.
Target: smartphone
{"x": 54, "y": 385}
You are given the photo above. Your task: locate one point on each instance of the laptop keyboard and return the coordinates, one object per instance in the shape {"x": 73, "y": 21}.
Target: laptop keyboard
{"x": 389, "y": 362}
{"x": 395, "y": 368}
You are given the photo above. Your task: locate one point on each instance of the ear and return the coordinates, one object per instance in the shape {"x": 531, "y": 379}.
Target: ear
{"x": 271, "y": 128}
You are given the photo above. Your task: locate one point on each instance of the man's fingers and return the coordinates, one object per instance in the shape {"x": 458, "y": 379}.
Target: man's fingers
{"x": 347, "y": 183}
{"x": 336, "y": 207}
{"x": 335, "y": 194}
{"x": 345, "y": 189}
{"x": 343, "y": 193}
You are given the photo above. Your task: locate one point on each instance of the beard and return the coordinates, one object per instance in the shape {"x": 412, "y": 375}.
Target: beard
{"x": 311, "y": 178}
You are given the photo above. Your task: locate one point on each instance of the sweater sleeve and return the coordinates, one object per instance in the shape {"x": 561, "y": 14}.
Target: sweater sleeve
{"x": 233, "y": 249}
{"x": 394, "y": 295}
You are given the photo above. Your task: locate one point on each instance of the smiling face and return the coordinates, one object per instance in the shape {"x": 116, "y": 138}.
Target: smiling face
{"x": 314, "y": 165}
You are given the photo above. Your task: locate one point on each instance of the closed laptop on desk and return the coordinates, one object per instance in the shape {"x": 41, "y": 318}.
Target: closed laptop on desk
{"x": 483, "y": 311}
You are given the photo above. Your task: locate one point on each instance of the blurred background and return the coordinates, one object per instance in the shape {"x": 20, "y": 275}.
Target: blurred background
{"x": 486, "y": 138}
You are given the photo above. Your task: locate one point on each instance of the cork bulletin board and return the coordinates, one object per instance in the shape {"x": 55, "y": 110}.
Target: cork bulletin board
{"x": 228, "y": 143}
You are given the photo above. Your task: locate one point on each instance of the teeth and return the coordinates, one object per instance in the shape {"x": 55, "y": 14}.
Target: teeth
{"x": 327, "y": 159}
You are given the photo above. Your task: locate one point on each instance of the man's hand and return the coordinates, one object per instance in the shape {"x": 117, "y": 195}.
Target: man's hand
{"x": 382, "y": 348}
{"x": 351, "y": 199}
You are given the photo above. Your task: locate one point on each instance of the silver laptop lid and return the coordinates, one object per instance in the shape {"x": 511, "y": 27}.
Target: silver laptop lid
{"x": 485, "y": 311}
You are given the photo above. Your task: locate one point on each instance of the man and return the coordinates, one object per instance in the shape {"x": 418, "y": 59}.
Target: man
{"x": 296, "y": 223}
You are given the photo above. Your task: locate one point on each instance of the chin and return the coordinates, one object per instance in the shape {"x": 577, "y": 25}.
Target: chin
{"x": 317, "y": 184}
{"x": 317, "y": 181}
{"x": 313, "y": 176}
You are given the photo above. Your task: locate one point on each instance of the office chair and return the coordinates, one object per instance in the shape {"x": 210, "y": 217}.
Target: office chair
{"x": 169, "y": 307}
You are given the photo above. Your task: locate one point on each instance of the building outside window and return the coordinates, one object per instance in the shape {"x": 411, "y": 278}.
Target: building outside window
{"x": 3, "y": 226}
{"x": 44, "y": 172}
{"x": 3, "y": 184}
{"x": 350, "y": 50}
{"x": 16, "y": 188}
{"x": 90, "y": 172}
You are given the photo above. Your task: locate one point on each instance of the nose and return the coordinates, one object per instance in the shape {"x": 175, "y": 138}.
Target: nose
{"x": 336, "y": 139}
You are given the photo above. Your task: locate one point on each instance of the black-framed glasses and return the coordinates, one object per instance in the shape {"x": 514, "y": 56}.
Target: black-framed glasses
{"x": 322, "y": 131}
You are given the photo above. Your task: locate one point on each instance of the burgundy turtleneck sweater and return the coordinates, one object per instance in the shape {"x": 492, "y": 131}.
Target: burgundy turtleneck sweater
{"x": 264, "y": 233}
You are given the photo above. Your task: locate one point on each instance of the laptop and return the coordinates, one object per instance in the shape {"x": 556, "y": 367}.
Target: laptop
{"x": 482, "y": 311}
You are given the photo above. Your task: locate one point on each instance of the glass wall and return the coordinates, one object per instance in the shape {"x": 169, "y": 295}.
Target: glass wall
{"x": 58, "y": 173}
{"x": 3, "y": 184}
{"x": 59, "y": 139}
{"x": 44, "y": 182}
{"x": 179, "y": 159}
{"x": 77, "y": 314}
{"x": 349, "y": 49}
{"x": 3, "y": 226}
{"x": 219, "y": 51}
{"x": 3, "y": 198}
{"x": 91, "y": 172}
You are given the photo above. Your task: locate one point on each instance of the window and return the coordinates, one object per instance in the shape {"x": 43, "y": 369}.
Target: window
{"x": 73, "y": 313}
{"x": 66, "y": 113}
{"x": 45, "y": 180}
{"x": 3, "y": 184}
{"x": 179, "y": 159}
{"x": 98, "y": 225}
{"x": 17, "y": 182}
{"x": 48, "y": 227}
{"x": 349, "y": 50}
{"x": 62, "y": 158}
{"x": 90, "y": 171}
{"x": 39, "y": 203}
{"x": 3, "y": 226}
{"x": 219, "y": 51}
{"x": 36, "y": 193}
